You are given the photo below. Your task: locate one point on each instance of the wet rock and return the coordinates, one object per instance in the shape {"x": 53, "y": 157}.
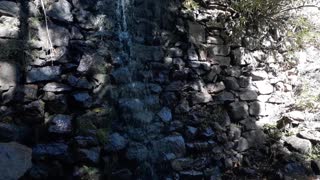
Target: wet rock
{"x": 182, "y": 164}
{"x": 248, "y": 95}
{"x": 61, "y": 10}
{"x": 34, "y": 112}
{"x": 89, "y": 156}
{"x": 165, "y": 114}
{"x": 43, "y": 74}
{"x": 137, "y": 152}
{"x": 207, "y": 132}
{"x": 315, "y": 165}
{"x": 121, "y": 75}
{"x": 238, "y": 110}
{"x": 9, "y": 8}
{"x": 192, "y": 174}
{"x": 15, "y": 160}
{"x": 200, "y": 146}
{"x": 301, "y": 145}
{"x": 79, "y": 82}
{"x": 61, "y": 124}
{"x": 56, "y": 87}
{"x": 220, "y": 60}
{"x": 54, "y": 150}
{"x": 191, "y": 132}
{"x": 83, "y": 98}
{"x": 8, "y": 74}
{"x": 59, "y": 36}
{"x": 85, "y": 141}
{"x": 172, "y": 144}
{"x": 215, "y": 40}
{"x": 85, "y": 4}
{"x": 231, "y": 83}
{"x": 115, "y": 142}
{"x": 123, "y": 174}
{"x": 175, "y": 52}
{"x": 85, "y": 63}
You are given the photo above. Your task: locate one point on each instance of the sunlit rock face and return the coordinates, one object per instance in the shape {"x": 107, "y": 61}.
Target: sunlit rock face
{"x": 8, "y": 75}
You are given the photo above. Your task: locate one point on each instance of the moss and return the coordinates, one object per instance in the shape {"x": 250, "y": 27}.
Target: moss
{"x": 102, "y": 135}
{"x": 190, "y": 5}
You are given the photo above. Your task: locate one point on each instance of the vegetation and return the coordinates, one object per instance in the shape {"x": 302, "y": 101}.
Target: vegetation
{"x": 190, "y": 5}
{"x": 257, "y": 16}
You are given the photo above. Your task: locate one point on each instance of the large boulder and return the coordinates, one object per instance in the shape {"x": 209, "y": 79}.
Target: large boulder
{"x": 15, "y": 160}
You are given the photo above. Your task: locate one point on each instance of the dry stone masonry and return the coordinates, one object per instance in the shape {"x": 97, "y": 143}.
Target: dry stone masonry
{"x": 142, "y": 89}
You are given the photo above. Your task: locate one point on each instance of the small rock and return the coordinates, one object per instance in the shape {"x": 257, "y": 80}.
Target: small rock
{"x": 61, "y": 124}
{"x": 9, "y": 8}
{"x": 56, "y": 87}
{"x": 121, "y": 75}
{"x": 301, "y": 145}
{"x": 61, "y": 10}
{"x": 54, "y": 150}
{"x": 248, "y": 95}
{"x": 137, "y": 152}
{"x": 259, "y": 75}
{"x": 83, "y": 98}
{"x": 263, "y": 87}
{"x": 116, "y": 142}
{"x": 201, "y": 97}
{"x": 242, "y": 145}
{"x": 43, "y": 74}
{"x": 239, "y": 110}
{"x": 231, "y": 83}
{"x": 191, "y": 132}
{"x": 90, "y": 156}
{"x": 310, "y": 135}
{"x": 165, "y": 114}
{"x": 215, "y": 88}
{"x": 182, "y": 164}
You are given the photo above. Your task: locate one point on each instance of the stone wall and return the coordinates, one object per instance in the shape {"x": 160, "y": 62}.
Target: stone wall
{"x": 138, "y": 89}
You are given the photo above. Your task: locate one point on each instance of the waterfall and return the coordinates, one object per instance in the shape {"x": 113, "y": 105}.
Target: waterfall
{"x": 122, "y": 14}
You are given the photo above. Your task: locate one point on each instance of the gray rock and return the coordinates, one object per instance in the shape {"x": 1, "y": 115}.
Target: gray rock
{"x": 311, "y": 135}
{"x": 259, "y": 75}
{"x": 121, "y": 75}
{"x": 137, "y": 152}
{"x": 9, "y": 29}
{"x": 9, "y": 8}
{"x": 165, "y": 114}
{"x": 215, "y": 40}
{"x": 61, "y": 10}
{"x": 79, "y": 82}
{"x": 59, "y": 36}
{"x": 197, "y": 33}
{"x": 242, "y": 57}
{"x": 84, "y": 4}
{"x": 192, "y": 55}
{"x": 61, "y": 124}
{"x": 8, "y": 74}
{"x": 146, "y": 53}
{"x": 128, "y": 105}
{"x": 15, "y": 160}
{"x": 182, "y": 164}
{"x": 255, "y": 138}
{"x": 242, "y": 145}
{"x": 301, "y": 145}
{"x": 53, "y": 150}
{"x": 225, "y": 96}
{"x": 244, "y": 81}
{"x": 239, "y": 110}
{"x": 201, "y": 97}
{"x": 172, "y": 144}
{"x": 139, "y": 118}
{"x": 220, "y": 60}
{"x": 56, "y": 87}
{"x": 191, "y": 132}
{"x": 85, "y": 63}
{"x": 248, "y": 95}
{"x": 191, "y": 174}
{"x": 175, "y": 52}
{"x": 218, "y": 50}
{"x": 89, "y": 156}
{"x": 215, "y": 88}
{"x": 115, "y": 142}
{"x": 231, "y": 83}
{"x": 263, "y": 87}
{"x": 43, "y": 74}
{"x": 83, "y": 98}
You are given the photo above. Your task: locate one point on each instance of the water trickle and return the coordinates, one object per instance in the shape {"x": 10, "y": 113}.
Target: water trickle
{"x": 122, "y": 14}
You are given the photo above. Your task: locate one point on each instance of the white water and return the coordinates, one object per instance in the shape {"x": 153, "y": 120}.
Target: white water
{"x": 122, "y": 13}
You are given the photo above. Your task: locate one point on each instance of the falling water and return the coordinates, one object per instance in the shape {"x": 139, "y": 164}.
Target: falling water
{"x": 122, "y": 13}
